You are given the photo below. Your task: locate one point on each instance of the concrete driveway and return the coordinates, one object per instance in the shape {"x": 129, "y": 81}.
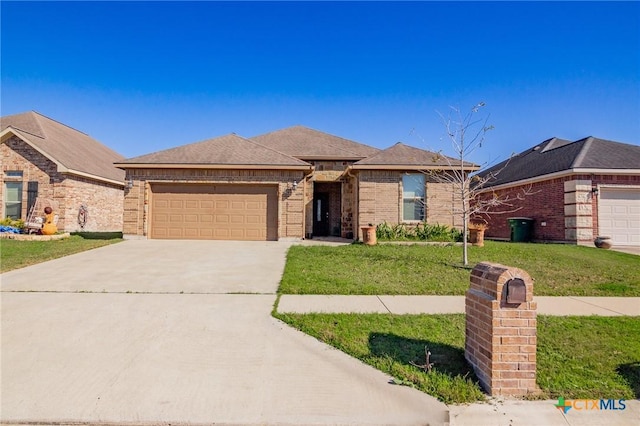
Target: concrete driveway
{"x": 77, "y": 347}
{"x": 160, "y": 266}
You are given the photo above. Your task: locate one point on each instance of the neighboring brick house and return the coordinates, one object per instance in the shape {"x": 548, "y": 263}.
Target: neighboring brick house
{"x": 576, "y": 191}
{"x": 45, "y": 159}
{"x": 289, "y": 184}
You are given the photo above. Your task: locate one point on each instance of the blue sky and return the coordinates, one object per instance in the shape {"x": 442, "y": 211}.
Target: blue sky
{"x": 145, "y": 76}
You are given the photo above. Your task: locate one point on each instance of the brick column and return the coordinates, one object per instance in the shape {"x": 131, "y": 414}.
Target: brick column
{"x": 500, "y": 340}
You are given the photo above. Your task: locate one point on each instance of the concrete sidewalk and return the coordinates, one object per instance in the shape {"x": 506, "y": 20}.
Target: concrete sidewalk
{"x": 562, "y": 306}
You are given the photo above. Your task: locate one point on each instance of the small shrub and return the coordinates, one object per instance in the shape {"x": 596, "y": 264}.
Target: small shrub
{"x": 421, "y": 232}
{"x": 13, "y": 223}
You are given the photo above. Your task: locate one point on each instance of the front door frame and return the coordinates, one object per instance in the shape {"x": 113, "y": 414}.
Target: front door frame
{"x": 321, "y": 216}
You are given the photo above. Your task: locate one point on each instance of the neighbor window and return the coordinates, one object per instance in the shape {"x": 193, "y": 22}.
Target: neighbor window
{"x": 413, "y": 196}
{"x": 13, "y": 200}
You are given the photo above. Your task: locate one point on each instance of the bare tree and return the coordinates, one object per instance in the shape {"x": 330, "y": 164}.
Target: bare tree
{"x": 467, "y": 133}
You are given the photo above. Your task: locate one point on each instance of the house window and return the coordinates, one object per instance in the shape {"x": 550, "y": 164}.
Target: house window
{"x": 413, "y": 197}
{"x": 13, "y": 173}
{"x": 13, "y": 200}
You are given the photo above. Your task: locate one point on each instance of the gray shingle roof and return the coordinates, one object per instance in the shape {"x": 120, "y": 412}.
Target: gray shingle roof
{"x": 69, "y": 147}
{"x": 557, "y": 155}
{"x": 402, "y": 155}
{"x": 309, "y": 144}
{"x": 224, "y": 150}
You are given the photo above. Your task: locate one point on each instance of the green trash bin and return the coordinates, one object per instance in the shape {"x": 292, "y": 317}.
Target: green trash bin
{"x": 521, "y": 229}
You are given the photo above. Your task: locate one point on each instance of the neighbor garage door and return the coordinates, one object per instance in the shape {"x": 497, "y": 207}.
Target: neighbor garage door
{"x": 214, "y": 212}
{"x": 619, "y": 215}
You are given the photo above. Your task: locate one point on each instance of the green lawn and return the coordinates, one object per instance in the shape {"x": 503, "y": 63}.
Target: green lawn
{"x": 578, "y": 357}
{"x": 18, "y": 254}
{"x": 558, "y": 269}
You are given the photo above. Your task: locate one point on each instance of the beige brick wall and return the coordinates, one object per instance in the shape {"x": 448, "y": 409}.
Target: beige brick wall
{"x": 290, "y": 201}
{"x": 104, "y": 200}
{"x": 380, "y": 199}
{"x": 443, "y": 203}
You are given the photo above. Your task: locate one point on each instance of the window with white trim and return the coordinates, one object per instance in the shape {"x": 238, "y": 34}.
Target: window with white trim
{"x": 13, "y": 199}
{"x": 413, "y": 190}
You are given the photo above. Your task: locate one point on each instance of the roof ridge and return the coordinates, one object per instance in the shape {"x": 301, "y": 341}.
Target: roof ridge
{"x": 339, "y": 137}
{"x": 344, "y": 149}
{"x": 588, "y": 141}
{"x": 270, "y": 149}
{"x": 34, "y": 120}
{"x": 57, "y": 122}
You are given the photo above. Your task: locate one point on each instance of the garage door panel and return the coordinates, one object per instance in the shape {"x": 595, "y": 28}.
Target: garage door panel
{"x": 619, "y": 215}
{"x": 191, "y": 218}
{"x": 191, "y": 232}
{"x": 222, "y": 219}
{"x": 237, "y": 219}
{"x": 226, "y": 212}
{"x": 252, "y": 219}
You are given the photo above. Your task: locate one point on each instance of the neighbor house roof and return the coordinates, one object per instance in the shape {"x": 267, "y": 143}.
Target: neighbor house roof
{"x": 558, "y": 155}
{"x": 224, "y": 152}
{"x": 309, "y": 144}
{"x": 405, "y": 157}
{"x": 73, "y": 151}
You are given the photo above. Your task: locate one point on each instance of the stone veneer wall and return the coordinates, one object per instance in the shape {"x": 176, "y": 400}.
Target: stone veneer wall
{"x": 349, "y": 207}
{"x": 103, "y": 200}
{"x": 290, "y": 201}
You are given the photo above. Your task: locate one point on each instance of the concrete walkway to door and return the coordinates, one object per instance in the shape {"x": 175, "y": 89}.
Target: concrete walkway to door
{"x": 106, "y": 336}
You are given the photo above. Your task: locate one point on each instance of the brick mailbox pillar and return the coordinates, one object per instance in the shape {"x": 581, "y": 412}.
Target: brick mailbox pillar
{"x": 500, "y": 335}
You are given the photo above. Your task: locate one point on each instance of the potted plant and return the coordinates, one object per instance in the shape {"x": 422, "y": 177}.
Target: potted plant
{"x": 476, "y": 233}
{"x": 603, "y": 242}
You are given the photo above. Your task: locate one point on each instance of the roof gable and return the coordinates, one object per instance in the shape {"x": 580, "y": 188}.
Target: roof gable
{"x": 228, "y": 150}
{"x": 557, "y": 155}
{"x": 405, "y": 156}
{"x": 309, "y": 144}
{"x": 72, "y": 150}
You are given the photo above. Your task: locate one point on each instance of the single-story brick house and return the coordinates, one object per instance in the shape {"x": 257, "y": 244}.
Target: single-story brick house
{"x": 45, "y": 159}
{"x": 577, "y": 191}
{"x": 293, "y": 183}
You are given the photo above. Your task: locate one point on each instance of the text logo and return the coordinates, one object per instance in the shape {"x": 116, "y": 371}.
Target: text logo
{"x": 590, "y": 404}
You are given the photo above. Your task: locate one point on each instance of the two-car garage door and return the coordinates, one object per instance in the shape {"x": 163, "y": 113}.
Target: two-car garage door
{"x": 214, "y": 212}
{"x": 619, "y": 215}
